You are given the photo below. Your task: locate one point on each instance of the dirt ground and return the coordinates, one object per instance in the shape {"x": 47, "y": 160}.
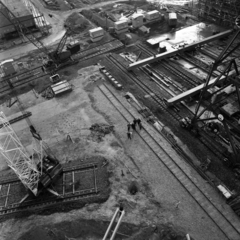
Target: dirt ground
{"x": 154, "y": 205}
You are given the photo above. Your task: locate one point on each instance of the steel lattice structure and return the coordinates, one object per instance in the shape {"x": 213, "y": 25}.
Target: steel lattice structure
{"x": 223, "y": 12}
{"x": 28, "y": 168}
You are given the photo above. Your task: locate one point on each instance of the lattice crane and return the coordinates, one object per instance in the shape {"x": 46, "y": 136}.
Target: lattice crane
{"x": 211, "y": 103}
{"x": 36, "y": 170}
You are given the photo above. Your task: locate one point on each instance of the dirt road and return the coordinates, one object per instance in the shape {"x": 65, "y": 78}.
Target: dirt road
{"x": 57, "y": 28}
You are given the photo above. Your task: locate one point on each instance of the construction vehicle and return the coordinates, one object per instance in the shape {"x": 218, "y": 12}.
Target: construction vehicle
{"x": 38, "y": 170}
{"x": 55, "y": 59}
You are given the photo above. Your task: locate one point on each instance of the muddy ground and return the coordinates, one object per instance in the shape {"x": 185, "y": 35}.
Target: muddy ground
{"x": 158, "y": 193}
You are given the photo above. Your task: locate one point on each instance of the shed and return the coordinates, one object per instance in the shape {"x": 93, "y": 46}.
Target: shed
{"x": 8, "y": 68}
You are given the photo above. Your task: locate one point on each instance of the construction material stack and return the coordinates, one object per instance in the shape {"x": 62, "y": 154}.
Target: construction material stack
{"x": 121, "y": 26}
{"x": 96, "y": 34}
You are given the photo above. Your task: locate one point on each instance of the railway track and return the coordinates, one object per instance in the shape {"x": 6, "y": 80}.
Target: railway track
{"x": 227, "y": 223}
{"x": 36, "y": 73}
{"x": 183, "y": 75}
{"x": 76, "y": 183}
{"x": 146, "y": 88}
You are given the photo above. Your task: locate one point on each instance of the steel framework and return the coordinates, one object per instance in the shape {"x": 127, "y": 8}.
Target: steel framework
{"x": 208, "y": 107}
{"x": 223, "y": 12}
{"x": 27, "y": 168}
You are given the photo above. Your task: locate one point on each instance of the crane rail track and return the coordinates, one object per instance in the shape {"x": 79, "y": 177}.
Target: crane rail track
{"x": 204, "y": 138}
{"x": 228, "y": 224}
{"x": 76, "y": 183}
{"x": 36, "y": 73}
{"x": 146, "y": 88}
{"x": 182, "y": 74}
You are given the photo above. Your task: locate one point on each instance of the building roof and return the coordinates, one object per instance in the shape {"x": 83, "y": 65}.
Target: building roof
{"x": 17, "y": 7}
{"x": 8, "y": 69}
{"x": 230, "y": 108}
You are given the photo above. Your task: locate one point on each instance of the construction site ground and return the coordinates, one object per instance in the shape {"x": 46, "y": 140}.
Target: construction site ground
{"x": 160, "y": 201}
{"x": 161, "y": 208}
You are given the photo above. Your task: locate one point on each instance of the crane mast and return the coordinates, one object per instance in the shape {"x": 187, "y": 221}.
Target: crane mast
{"x": 27, "y": 168}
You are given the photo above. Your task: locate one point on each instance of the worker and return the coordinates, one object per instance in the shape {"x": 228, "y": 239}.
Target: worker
{"x": 133, "y": 126}
{"x": 129, "y": 134}
{"x": 139, "y": 122}
{"x": 135, "y": 121}
{"x": 129, "y": 127}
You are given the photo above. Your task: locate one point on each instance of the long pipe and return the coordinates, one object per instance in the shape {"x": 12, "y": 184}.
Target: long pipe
{"x": 118, "y": 224}
{"x": 111, "y": 223}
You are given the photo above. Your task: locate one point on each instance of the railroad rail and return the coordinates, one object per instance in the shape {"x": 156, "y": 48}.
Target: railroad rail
{"x": 156, "y": 99}
{"x": 227, "y": 223}
{"x": 76, "y": 182}
{"x": 146, "y": 87}
{"x": 36, "y": 73}
{"x": 185, "y": 76}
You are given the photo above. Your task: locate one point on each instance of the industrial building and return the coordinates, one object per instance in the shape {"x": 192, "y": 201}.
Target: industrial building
{"x": 219, "y": 11}
{"x": 23, "y": 11}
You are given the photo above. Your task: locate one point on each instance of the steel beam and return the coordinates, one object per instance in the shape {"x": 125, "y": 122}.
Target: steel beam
{"x": 178, "y": 51}
{"x": 196, "y": 90}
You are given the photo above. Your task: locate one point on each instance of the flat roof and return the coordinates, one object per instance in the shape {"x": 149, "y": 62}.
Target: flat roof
{"x": 17, "y": 7}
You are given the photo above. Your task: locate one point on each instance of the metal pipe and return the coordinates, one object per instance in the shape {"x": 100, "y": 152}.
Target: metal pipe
{"x": 118, "y": 224}
{"x": 111, "y": 223}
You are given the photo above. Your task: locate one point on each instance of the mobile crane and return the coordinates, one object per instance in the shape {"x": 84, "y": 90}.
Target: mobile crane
{"x": 57, "y": 58}
{"x": 40, "y": 169}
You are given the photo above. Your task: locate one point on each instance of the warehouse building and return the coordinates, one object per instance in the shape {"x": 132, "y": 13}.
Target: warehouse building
{"x": 21, "y": 12}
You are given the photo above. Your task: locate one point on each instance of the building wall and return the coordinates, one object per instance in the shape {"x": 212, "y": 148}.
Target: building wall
{"x": 25, "y": 17}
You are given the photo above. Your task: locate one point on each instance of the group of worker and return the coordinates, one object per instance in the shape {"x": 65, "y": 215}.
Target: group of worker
{"x": 133, "y": 126}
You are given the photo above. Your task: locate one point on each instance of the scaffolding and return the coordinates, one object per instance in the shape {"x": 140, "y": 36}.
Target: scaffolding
{"x": 221, "y": 12}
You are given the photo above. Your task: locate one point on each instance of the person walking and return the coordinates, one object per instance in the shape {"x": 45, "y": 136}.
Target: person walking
{"x": 133, "y": 126}
{"x": 129, "y": 127}
{"x": 139, "y": 122}
{"x": 129, "y": 134}
{"x": 135, "y": 121}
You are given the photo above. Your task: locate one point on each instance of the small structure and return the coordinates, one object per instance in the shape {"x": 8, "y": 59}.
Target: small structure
{"x": 61, "y": 87}
{"x": 152, "y": 16}
{"x": 96, "y": 34}
{"x": 137, "y": 20}
{"x": 172, "y": 19}
{"x": 143, "y": 30}
{"x": 7, "y": 68}
{"x": 121, "y": 26}
{"x": 73, "y": 47}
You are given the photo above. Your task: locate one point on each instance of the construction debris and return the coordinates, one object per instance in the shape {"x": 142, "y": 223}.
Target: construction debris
{"x": 98, "y": 131}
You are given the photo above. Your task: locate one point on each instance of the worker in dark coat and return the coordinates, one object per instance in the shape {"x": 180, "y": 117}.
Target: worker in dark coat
{"x": 139, "y": 122}
{"x": 129, "y": 134}
{"x": 133, "y": 126}
{"x": 129, "y": 127}
{"x": 135, "y": 121}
